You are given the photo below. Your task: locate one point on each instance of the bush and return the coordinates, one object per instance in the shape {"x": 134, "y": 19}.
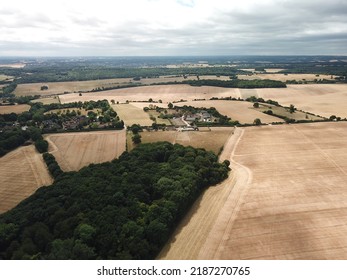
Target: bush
{"x": 136, "y": 139}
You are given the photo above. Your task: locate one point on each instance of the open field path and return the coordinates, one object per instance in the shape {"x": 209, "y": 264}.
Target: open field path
{"x": 225, "y": 220}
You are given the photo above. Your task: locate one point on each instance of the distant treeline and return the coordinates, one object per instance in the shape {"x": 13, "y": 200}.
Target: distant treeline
{"x": 61, "y": 73}
{"x": 324, "y": 68}
{"x": 7, "y": 90}
{"x": 124, "y": 209}
{"x": 237, "y": 83}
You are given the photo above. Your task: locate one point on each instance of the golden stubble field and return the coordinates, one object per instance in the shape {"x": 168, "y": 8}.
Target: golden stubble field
{"x": 20, "y": 108}
{"x": 288, "y": 201}
{"x": 22, "y": 172}
{"x": 166, "y": 93}
{"x": 83, "y": 86}
{"x": 131, "y": 114}
{"x": 323, "y": 99}
{"x": 212, "y": 139}
{"x": 76, "y": 150}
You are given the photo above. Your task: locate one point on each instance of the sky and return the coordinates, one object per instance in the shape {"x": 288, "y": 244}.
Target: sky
{"x": 172, "y": 27}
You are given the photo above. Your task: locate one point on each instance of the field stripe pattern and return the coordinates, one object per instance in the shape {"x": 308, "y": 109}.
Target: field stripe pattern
{"x": 76, "y": 150}
{"x": 22, "y": 173}
{"x": 290, "y": 204}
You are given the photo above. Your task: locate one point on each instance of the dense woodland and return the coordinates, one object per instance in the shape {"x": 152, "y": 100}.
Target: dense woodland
{"x": 124, "y": 209}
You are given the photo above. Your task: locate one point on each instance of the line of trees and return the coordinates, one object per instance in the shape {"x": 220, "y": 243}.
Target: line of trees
{"x": 52, "y": 165}
{"x": 237, "y": 83}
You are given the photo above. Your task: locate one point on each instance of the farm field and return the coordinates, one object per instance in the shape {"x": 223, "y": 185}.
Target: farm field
{"x": 22, "y": 172}
{"x": 290, "y": 204}
{"x": 76, "y": 150}
{"x": 20, "y": 108}
{"x": 273, "y": 70}
{"x": 63, "y": 87}
{"x": 77, "y": 86}
{"x": 236, "y": 110}
{"x": 131, "y": 114}
{"x": 13, "y": 65}
{"x": 211, "y": 140}
{"x": 297, "y": 115}
{"x": 4, "y": 77}
{"x": 323, "y": 100}
{"x": 285, "y": 77}
{"x": 47, "y": 100}
{"x": 167, "y": 93}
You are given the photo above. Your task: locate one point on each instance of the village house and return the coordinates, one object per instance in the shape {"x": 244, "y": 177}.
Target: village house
{"x": 205, "y": 116}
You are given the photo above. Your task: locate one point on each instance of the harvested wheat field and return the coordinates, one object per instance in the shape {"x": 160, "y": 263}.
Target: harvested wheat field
{"x": 14, "y": 109}
{"x": 22, "y": 172}
{"x": 237, "y": 110}
{"x": 47, "y": 100}
{"x": 290, "y": 204}
{"x": 64, "y": 87}
{"x": 84, "y": 86}
{"x": 324, "y": 100}
{"x": 131, "y": 114}
{"x": 210, "y": 140}
{"x": 166, "y": 93}
{"x": 76, "y": 150}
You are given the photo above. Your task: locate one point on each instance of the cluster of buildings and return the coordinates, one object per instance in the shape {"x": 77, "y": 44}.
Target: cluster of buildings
{"x": 202, "y": 116}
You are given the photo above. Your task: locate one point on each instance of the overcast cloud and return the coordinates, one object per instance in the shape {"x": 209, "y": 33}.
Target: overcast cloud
{"x": 173, "y": 27}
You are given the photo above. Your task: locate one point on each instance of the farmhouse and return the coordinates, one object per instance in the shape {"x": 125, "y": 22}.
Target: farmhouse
{"x": 202, "y": 116}
{"x": 191, "y": 118}
{"x": 205, "y": 116}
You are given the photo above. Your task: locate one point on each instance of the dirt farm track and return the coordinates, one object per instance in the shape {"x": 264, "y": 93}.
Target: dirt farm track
{"x": 285, "y": 199}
